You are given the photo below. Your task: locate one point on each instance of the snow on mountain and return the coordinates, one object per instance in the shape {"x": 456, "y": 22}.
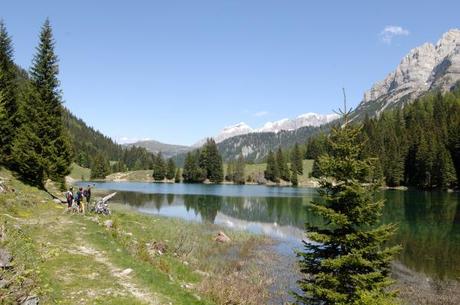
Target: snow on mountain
{"x": 307, "y": 119}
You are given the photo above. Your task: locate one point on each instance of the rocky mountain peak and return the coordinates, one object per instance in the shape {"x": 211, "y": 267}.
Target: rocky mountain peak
{"x": 423, "y": 68}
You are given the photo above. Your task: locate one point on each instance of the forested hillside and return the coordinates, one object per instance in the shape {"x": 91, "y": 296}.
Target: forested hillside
{"x": 87, "y": 143}
{"x": 418, "y": 145}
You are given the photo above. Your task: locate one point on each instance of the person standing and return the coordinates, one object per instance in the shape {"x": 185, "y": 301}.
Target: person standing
{"x": 78, "y": 199}
{"x": 87, "y": 193}
{"x": 69, "y": 198}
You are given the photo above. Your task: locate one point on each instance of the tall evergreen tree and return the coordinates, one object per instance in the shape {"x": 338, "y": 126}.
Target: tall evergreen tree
{"x": 272, "y": 172}
{"x": 9, "y": 104}
{"x": 170, "y": 169}
{"x": 282, "y": 165}
{"x": 296, "y": 160}
{"x": 211, "y": 162}
{"x": 27, "y": 149}
{"x": 347, "y": 261}
{"x": 56, "y": 145}
{"x": 177, "y": 176}
{"x": 100, "y": 167}
{"x": 159, "y": 167}
{"x": 238, "y": 177}
{"x": 230, "y": 171}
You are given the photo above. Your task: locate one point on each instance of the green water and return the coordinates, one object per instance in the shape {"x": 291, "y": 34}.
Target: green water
{"x": 429, "y": 222}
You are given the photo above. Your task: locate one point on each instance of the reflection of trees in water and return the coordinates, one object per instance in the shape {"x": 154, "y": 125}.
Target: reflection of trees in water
{"x": 427, "y": 230}
{"x": 429, "y": 222}
{"x": 142, "y": 199}
{"x": 206, "y": 206}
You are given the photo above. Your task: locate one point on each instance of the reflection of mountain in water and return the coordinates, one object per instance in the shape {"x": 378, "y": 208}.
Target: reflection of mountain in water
{"x": 429, "y": 223}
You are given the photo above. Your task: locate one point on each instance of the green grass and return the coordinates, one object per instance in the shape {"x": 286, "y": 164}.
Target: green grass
{"x": 79, "y": 173}
{"x": 258, "y": 169}
{"x": 68, "y": 258}
{"x": 139, "y": 175}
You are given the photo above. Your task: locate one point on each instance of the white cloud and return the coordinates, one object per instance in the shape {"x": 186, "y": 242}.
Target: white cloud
{"x": 390, "y": 31}
{"x": 261, "y": 113}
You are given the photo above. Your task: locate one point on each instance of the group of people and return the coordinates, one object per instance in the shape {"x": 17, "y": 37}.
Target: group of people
{"x": 78, "y": 198}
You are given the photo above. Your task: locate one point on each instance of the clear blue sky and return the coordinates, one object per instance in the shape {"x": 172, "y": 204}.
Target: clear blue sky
{"x": 178, "y": 71}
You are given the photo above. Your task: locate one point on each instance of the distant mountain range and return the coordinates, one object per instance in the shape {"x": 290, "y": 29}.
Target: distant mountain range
{"x": 167, "y": 150}
{"x": 307, "y": 119}
{"x": 425, "y": 68}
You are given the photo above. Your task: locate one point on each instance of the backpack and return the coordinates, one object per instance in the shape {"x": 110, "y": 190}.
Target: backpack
{"x": 85, "y": 193}
{"x": 69, "y": 196}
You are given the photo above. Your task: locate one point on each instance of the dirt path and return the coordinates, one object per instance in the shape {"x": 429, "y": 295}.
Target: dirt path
{"x": 124, "y": 277}
{"x": 74, "y": 245}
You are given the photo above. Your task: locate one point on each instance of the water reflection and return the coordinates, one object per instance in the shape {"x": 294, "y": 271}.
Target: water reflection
{"x": 429, "y": 223}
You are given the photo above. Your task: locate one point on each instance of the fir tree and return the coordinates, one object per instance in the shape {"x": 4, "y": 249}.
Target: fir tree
{"x": 296, "y": 160}
{"x": 294, "y": 178}
{"x": 27, "y": 149}
{"x": 347, "y": 261}
{"x": 159, "y": 167}
{"x": 9, "y": 121}
{"x": 177, "y": 176}
{"x": 56, "y": 145}
{"x": 282, "y": 165}
{"x": 238, "y": 177}
{"x": 210, "y": 162}
{"x": 230, "y": 171}
{"x": 170, "y": 169}
{"x": 272, "y": 172}
{"x": 100, "y": 167}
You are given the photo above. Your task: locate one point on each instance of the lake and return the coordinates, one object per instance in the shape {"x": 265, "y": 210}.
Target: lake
{"x": 429, "y": 222}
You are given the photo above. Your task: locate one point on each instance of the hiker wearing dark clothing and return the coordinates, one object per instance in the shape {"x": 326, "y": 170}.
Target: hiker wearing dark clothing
{"x": 87, "y": 193}
{"x": 69, "y": 198}
{"x": 79, "y": 198}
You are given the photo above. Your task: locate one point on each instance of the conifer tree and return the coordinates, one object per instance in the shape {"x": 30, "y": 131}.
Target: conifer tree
{"x": 56, "y": 145}
{"x": 272, "y": 172}
{"x": 9, "y": 104}
{"x": 177, "y": 176}
{"x": 230, "y": 171}
{"x": 159, "y": 167}
{"x": 294, "y": 178}
{"x": 210, "y": 162}
{"x": 347, "y": 261}
{"x": 238, "y": 177}
{"x": 296, "y": 160}
{"x": 27, "y": 149}
{"x": 100, "y": 167}
{"x": 170, "y": 169}
{"x": 282, "y": 165}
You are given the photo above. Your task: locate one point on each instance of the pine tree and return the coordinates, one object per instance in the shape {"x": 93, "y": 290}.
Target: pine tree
{"x": 56, "y": 144}
{"x": 159, "y": 167}
{"x": 238, "y": 177}
{"x": 272, "y": 172}
{"x": 230, "y": 171}
{"x": 296, "y": 160}
{"x": 170, "y": 169}
{"x": 27, "y": 149}
{"x": 192, "y": 173}
{"x": 282, "y": 165}
{"x": 177, "y": 176}
{"x": 100, "y": 167}
{"x": 347, "y": 261}
{"x": 294, "y": 178}
{"x": 9, "y": 104}
{"x": 210, "y": 162}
